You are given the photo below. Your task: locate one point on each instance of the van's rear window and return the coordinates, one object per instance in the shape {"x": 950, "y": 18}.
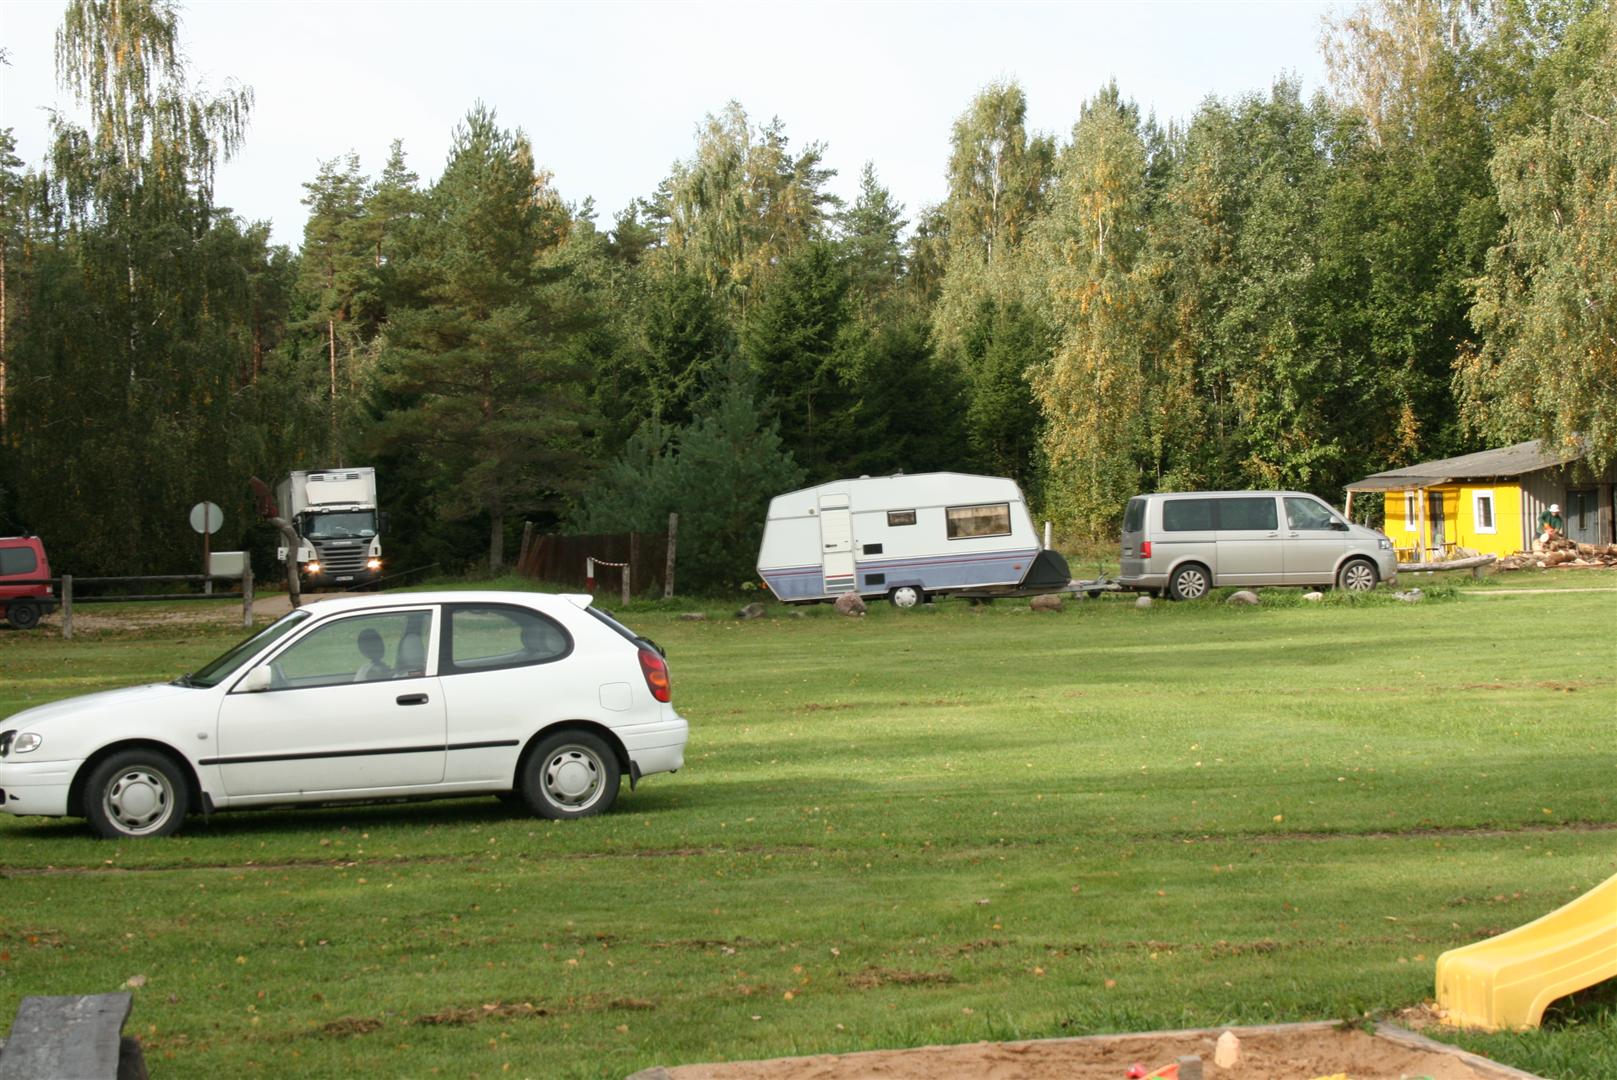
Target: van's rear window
{"x": 18, "y": 560}
{"x": 1187, "y": 515}
{"x": 1134, "y": 516}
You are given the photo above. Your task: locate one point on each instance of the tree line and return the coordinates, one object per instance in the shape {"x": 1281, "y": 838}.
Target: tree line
{"x": 1281, "y": 291}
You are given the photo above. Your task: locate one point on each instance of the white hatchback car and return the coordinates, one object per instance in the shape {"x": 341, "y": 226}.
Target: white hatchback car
{"x": 521, "y": 695}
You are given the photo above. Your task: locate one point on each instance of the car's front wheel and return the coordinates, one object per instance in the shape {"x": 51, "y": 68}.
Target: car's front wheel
{"x": 571, "y": 774}
{"x": 1357, "y": 576}
{"x": 136, "y": 793}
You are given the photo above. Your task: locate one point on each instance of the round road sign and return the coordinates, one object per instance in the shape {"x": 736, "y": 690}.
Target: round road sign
{"x": 206, "y": 517}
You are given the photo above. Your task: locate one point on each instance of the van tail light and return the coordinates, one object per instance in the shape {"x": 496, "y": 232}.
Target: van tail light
{"x": 655, "y": 669}
{"x": 1145, "y": 549}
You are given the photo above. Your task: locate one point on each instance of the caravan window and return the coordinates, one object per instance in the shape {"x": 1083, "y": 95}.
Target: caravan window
{"x": 901, "y": 517}
{"x": 993, "y": 519}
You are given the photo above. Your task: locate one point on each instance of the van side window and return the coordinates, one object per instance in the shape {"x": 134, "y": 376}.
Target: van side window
{"x": 18, "y": 560}
{"x": 1306, "y": 514}
{"x": 964, "y": 522}
{"x": 1258, "y": 513}
{"x": 901, "y": 517}
{"x": 1134, "y": 516}
{"x": 1187, "y": 515}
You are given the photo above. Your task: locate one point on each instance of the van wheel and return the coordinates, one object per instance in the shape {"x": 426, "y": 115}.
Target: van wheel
{"x": 136, "y": 793}
{"x": 1357, "y": 576}
{"x": 1190, "y": 582}
{"x": 22, "y": 614}
{"x": 906, "y": 596}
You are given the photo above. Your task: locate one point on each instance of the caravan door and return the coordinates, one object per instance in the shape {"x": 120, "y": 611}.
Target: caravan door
{"x": 836, "y": 544}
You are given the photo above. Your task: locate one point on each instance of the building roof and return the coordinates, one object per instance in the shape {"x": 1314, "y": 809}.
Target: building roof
{"x": 1524, "y": 457}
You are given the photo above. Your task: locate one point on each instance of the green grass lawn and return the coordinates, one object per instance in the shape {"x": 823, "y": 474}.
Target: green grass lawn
{"x": 929, "y": 826}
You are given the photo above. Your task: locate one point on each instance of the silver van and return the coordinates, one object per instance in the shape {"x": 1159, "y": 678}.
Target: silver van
{"x": 1186, "y": 543}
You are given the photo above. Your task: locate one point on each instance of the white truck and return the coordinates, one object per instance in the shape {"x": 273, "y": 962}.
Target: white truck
{"x": 338, "y": 525}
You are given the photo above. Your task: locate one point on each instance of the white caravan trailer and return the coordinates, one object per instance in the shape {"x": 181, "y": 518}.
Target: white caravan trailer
{"x": 906, "y": 538}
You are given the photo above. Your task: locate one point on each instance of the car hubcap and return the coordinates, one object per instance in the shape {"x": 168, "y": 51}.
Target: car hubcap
{"x": 1359, "y": 578}
{"x": 1192, "y": 585}
{"x": 139, "y": 801}
{"x": 573, "y": 777}
{"x": 905, "y": 597}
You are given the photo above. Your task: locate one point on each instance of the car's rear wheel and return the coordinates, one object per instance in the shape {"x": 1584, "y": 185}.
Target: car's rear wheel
{"x": 1190, "y": 582}
{"x": 136, "y": 793}
{"x": 23, "y": 614}
{"x": 1357, "y": 576}
{"x": 571, "y": 774}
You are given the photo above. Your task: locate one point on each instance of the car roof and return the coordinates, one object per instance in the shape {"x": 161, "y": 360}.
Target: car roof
{"x": 368, "y": 601}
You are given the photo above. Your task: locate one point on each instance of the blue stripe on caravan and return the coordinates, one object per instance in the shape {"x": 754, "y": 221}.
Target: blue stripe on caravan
{"x": 933, "y": 572}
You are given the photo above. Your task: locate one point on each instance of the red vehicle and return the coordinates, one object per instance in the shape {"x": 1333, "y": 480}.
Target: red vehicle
{"x": 22, "y": 558}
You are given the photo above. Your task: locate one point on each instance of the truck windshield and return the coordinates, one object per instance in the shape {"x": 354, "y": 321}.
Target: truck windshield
{"x": 221, "y": 668}
{"x": 340, "y": 526}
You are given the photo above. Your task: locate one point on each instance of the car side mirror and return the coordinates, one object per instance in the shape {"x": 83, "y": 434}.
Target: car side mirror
{"x": 255, "y": 681}
{"x": 381, "y": 523}
{"x": 1339, "y": 526}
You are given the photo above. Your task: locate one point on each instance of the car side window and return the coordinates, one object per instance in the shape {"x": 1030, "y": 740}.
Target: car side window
{"x": 1306, "y": 514}
{"x": 1248, "y": 513}
{"x": 363, "y": 648}
{"x": 1187, "y": 515}
{"x": 16, "y": 561}
{"x": 483, "y": 637}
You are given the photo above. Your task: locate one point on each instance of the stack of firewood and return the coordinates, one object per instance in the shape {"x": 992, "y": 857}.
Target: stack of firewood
{"x": 1560, "y": 551}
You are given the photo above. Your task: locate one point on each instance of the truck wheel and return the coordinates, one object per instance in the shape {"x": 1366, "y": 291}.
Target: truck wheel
{"x": 23, "y": 614}
{"x": 906, "y": 596}
{"x": 136, "y": 793}
{"x": 1190, "y": 582}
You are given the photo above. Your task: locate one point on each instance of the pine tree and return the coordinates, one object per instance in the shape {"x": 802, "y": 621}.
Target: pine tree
{"x": 490, "y": 388}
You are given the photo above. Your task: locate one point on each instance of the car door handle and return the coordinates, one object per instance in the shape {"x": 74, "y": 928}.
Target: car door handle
{"x": 411, "y": 699}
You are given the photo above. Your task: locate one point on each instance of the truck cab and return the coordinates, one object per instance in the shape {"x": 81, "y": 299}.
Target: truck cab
{"x": 338, "y": 525}
{"x": 22, "y": 559}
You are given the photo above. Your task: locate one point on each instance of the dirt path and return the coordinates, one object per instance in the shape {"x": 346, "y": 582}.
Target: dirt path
{"x": 91, "y": 618}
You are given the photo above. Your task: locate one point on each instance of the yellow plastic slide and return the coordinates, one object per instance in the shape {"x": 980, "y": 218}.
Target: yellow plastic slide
{"x": 1506, "y": 981}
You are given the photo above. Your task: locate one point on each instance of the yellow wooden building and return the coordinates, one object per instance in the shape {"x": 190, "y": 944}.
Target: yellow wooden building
{"x": 1490, "y": 501}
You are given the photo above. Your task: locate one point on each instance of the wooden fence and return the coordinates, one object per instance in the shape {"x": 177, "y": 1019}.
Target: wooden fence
{"x": 560, "y": 560}
{"x": 64, "y": 597}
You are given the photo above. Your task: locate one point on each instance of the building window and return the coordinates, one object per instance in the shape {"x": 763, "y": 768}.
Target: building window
{"x": 900, "y": 517}
{"x": 965, "y": 522}
{"x": 1482, "y": 508}
{"x": 1411, "y": 516}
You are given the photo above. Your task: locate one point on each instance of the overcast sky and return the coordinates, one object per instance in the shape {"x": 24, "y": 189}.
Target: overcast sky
{"x": 611, "y": 93}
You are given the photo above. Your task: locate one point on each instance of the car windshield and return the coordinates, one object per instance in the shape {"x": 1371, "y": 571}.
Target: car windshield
{"x": 340, "y": 526}
{"x": 221, "y": 668}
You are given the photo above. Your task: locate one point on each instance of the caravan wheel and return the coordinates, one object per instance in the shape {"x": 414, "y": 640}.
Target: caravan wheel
{"x": 906, "y": 596}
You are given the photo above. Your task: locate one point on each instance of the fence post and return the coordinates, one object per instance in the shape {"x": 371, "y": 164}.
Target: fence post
{"x": 67, "y": 606}
{"x": 627, "y": 566}
{"x": 247, "y": 596}
{"x": 527, "y": 544}
{"x": 673, "y": 535}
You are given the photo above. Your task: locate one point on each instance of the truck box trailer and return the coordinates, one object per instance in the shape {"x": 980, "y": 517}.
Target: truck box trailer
{"x": 906, "y": 538}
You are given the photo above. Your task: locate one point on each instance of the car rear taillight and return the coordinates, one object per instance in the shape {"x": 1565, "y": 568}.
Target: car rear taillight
{"x": 655, "y": 669}
{"x": 1145, "y": 549}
